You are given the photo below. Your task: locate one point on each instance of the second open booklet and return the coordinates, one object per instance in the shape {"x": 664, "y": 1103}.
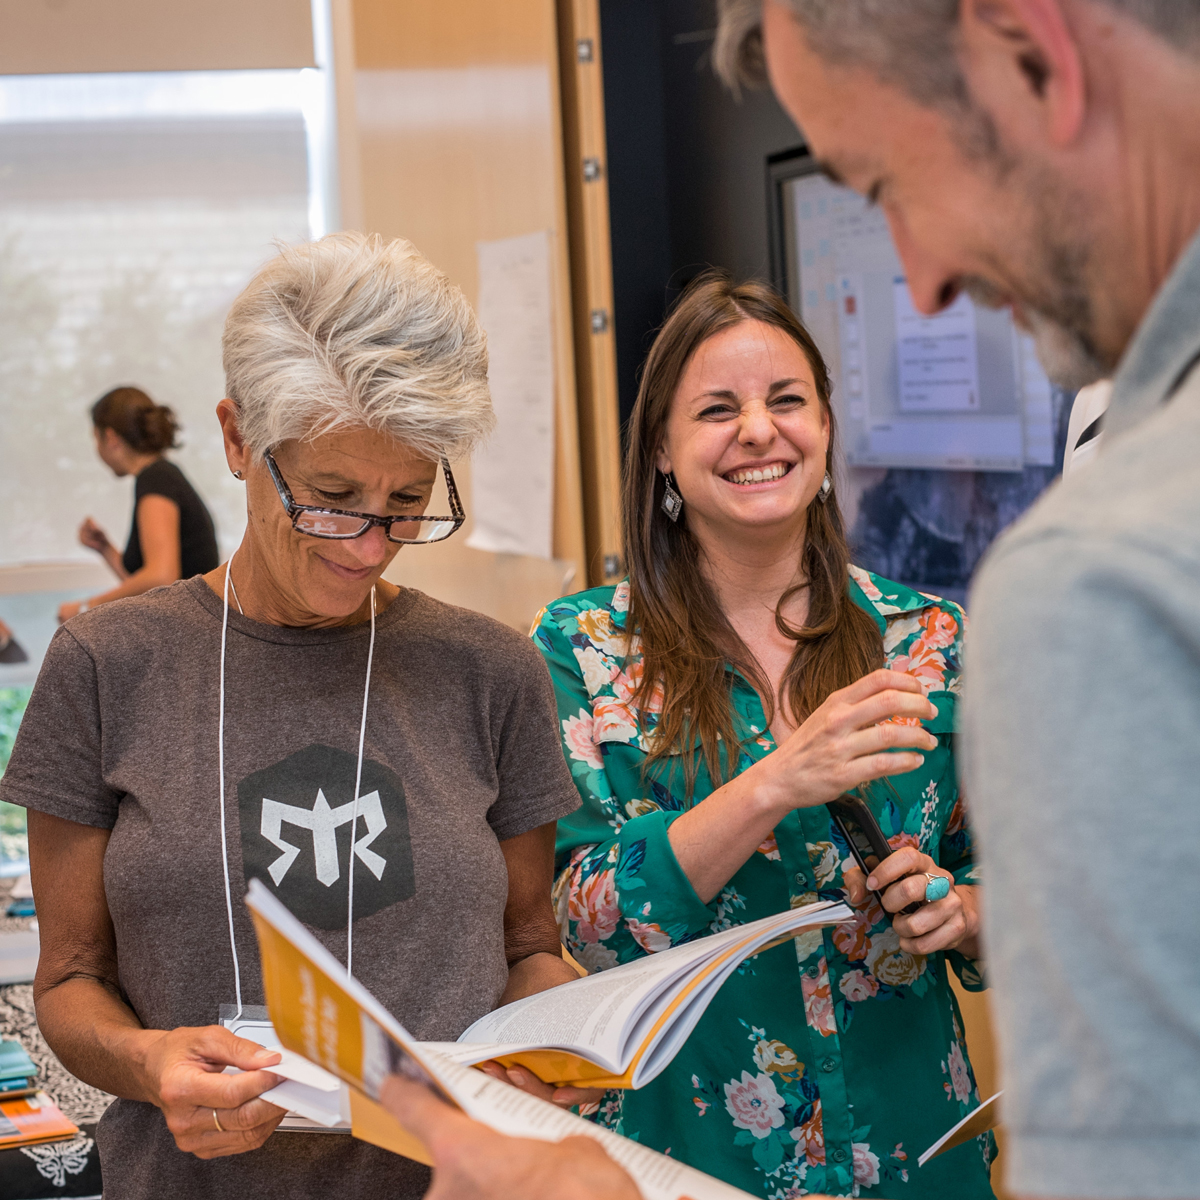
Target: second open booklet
{"x": 621, "y": 1027}
{"x": 326, "y": 1017}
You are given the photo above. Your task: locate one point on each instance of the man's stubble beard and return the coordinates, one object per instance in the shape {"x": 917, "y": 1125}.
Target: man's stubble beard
{"x": 1055, "y": 301}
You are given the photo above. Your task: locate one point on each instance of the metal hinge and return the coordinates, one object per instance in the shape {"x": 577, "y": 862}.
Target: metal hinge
{"x": 585, "y": 50}
{"x": 592, "y": 170}
{"x": 599, "y": 320}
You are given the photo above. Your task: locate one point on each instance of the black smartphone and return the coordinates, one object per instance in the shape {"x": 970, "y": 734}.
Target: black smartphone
{"x": 856, "y": 823}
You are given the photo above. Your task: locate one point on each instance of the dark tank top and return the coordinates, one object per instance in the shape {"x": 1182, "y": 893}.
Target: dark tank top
{"x": 197, "y": 536}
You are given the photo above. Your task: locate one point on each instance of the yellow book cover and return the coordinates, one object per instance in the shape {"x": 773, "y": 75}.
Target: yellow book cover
{"x": 324, "y": 1014}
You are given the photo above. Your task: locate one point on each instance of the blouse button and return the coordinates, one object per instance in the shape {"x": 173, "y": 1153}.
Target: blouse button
{"x": 800, "y": 878}
{"x": 811, "y": 972}
{"x": 830, "y": 1064}
{"x": 840, "y": 1155}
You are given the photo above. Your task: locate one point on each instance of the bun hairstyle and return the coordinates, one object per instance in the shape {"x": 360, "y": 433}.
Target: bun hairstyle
{"x": 146, "y": 427}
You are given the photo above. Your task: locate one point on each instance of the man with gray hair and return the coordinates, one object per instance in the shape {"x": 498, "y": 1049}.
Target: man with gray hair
{"x": 1045, "y": 155}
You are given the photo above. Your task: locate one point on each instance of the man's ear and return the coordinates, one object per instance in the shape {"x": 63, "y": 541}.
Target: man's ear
{"x": 1022, "y": 60}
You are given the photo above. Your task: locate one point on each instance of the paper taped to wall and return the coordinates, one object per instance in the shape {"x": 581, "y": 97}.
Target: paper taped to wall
{"x": 512, "y": 476}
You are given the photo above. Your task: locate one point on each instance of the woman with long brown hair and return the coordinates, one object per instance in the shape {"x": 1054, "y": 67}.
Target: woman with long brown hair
{"x": 743, "y": 676}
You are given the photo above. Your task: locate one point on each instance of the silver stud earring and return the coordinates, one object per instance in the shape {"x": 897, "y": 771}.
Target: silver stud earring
{"x": 237, "y": 474}
{"x": 672, "y": 501}
{"x": 826, "y": 488}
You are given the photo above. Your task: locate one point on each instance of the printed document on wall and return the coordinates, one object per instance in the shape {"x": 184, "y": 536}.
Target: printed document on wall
{"x": 512, "y": 476}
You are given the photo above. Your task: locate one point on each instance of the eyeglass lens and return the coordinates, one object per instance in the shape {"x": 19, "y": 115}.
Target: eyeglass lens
{"x": 332, "y": 525}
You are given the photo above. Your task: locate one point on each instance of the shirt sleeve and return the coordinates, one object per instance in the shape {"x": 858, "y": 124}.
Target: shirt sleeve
{"x": 56, "y": 765}
{"x": 534, "y": 784}
{"x": 622, "y": 891}
{"x": 1080, "y": 729}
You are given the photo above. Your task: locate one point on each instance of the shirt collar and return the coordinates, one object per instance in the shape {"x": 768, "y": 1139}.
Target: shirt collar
{"x": 881, "y": 598}
{"x": 1166, "y": 344}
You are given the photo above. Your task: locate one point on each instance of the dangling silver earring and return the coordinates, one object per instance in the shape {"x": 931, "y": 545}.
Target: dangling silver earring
{"x": 826, "y": 488}
{"x": 672, "y": 501}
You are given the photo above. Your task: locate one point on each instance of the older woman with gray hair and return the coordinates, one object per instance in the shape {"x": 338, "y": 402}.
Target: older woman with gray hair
{"x": 387, "y": 765}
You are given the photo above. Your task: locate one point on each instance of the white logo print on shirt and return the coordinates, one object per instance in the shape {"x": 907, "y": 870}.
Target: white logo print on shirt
{"x": 323, "y": 821}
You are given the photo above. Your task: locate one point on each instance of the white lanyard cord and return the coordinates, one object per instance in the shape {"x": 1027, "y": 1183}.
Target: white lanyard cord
{"x": 362, "y": 733}
{"x": 237, "y": 973}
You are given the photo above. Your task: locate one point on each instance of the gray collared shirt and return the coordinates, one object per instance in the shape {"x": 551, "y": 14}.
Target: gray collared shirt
{"x": 1081, "y": 746}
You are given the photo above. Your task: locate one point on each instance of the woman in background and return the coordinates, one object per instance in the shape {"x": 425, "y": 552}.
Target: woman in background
{"x": 710, "y": 706}
{"x": 172, "y": 536}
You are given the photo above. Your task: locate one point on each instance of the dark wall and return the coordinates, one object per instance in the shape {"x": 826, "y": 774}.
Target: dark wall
{"x": 686, "y": 165}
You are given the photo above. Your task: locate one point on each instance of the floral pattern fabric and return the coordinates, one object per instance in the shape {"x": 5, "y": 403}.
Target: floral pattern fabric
{"x": 827, "y": 1066}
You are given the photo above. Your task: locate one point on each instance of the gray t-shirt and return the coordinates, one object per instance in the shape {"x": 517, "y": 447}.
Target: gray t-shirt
{"x": 461, "y": 752}
{"x": 1082, "y": 762}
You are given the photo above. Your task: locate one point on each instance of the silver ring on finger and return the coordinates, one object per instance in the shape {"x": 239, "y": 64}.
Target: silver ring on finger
{"x": 217, "y": 1122}
{"x": 937, "y": 887}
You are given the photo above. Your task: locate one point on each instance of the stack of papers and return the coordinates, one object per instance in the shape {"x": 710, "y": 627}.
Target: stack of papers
{"x": 18, "y": 1074}
{"x": 31, "y": 1120}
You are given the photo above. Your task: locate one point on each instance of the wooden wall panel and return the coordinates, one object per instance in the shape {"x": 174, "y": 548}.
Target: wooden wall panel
{"x": 586, "y": 156}
{"x": 460, "y": 140}
{"x": 50, "y": 37}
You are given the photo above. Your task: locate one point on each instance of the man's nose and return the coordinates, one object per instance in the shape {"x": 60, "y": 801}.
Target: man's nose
{"x": 931, "y": 283}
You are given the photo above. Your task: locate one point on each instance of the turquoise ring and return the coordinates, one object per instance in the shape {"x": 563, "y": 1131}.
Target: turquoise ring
{"x": 938, "y": 888}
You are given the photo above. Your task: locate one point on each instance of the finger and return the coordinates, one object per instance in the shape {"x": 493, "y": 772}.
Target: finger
{"x": 929, "y": 917}
{"x": 421, "y": 1112}
{"x": 887, "y": 736}
{"x": 191, "y": 1084}
{"x": 527, "y": 1081}
{"x": 222, "y": 1145}
{"x": 946, "y": 936}
{"x": 225, "y": 1049}
{"x": 856, "y": 887}
{"x": 568, "y": 1097}
{"x": 899, "y": 896}
{"x": 494, "y": 1069}
{"x": 876, "y": 766}
{"x": 897, "y": 865}
{"x": 877, "y": 681}
{"x": 250, "y": 1115}
{"x": 892, "y": 703}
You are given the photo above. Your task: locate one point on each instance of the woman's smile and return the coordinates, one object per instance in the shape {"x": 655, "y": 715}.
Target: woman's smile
{"x": 344, "y": 572}
{"x": 758, "y": 474}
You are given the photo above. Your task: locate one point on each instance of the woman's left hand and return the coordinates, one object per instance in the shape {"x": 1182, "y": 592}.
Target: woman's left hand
{"x": 527, "y": 1081}
{"x": 951, "y": 923}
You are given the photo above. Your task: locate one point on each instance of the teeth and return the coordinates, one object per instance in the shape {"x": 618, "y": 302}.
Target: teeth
{"x": 758, "y": 475}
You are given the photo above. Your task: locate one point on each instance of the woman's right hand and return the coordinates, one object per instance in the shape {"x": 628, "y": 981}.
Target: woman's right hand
{"x": 92, "y": 536}
{"x": 849, "y": 740}
{"x": 184, "y": 1075}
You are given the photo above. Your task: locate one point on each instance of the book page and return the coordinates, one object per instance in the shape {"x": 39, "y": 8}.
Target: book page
{"x": 978, "y": 1120}
{"x": 595, "y": 1016}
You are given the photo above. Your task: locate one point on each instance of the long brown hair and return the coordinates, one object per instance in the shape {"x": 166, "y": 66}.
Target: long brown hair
{"x": 686, "y": 639}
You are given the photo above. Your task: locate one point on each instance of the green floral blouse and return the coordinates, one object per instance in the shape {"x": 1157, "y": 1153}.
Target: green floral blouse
{"x": 827, "y": 1068}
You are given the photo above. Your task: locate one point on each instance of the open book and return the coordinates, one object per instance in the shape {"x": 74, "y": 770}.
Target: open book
{"x": 622, "y": 1027}
{"x": 328, "y": 1018}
